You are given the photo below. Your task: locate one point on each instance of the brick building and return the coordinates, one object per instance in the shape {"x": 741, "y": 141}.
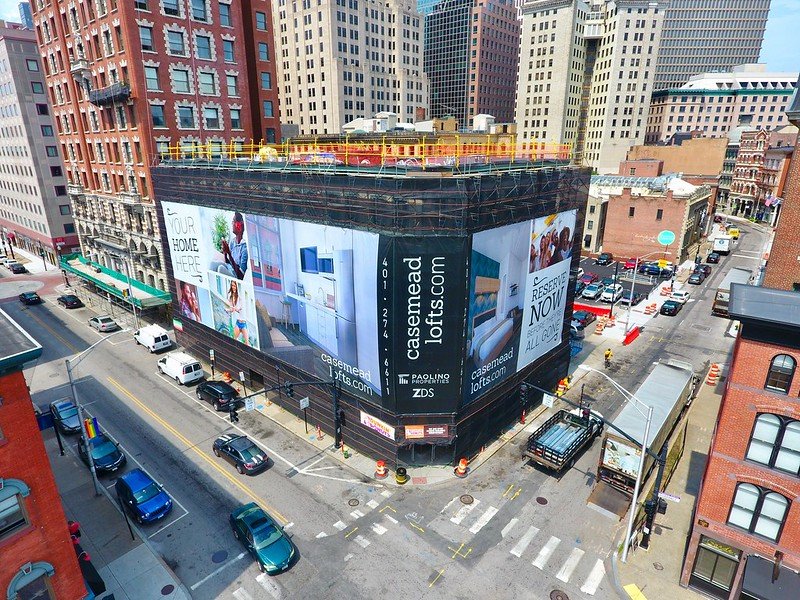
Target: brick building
{"x": 38, "y": 559}
{"x": 127, "y": 79}
{"x": 745, "y": 539}
{"x": 695, "y": 156}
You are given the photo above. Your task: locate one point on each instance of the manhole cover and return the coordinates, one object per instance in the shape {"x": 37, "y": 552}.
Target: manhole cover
{"x": 467, "y": 499}
{"x": 658, "y": 566}
{"x": 558, "y": 595}
{"x": 167, "y": 589}
{"x": 353, "y": 502}
{"x": 219, "y": 556}
{"x": 542, "y": 500}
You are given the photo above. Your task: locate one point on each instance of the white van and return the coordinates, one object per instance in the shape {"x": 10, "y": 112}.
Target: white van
{"x": 181, "y": 367}
{"x": 153, "y": 338}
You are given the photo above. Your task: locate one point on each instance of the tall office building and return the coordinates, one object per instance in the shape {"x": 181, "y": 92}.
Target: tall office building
{"x": 708, "y": 35}
{"x": 35, "y": 212}
{"x": 348, "y": 59}
{"x": 471, "y": 55}
{"x": 25, "y": 15}
{"x": 127, "y": 79}
{"x": 585, "y": 75}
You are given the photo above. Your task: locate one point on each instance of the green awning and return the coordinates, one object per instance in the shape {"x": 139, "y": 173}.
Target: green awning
{"x": 114, "y": 282}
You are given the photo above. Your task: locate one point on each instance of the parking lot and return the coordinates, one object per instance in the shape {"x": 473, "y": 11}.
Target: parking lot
{"x": 644, "y": 283}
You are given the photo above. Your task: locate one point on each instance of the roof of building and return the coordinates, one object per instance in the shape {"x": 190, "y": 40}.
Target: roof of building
{"x": 17, "y": 347}
{"x": 662, "y": 183}
{"x": 793, "y": 109}
{"x": 742, "y": 77}
{"x": 768, "y": 305}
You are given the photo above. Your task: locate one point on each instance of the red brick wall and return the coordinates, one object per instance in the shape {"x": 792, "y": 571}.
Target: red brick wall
{"x": 23, "y": 457}
{"x": 641, "y": 168}
{"x": 783, "y": 267}
{"x": 628, "y": 236}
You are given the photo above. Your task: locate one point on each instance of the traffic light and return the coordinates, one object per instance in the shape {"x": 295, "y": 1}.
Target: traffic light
{"x": 650, "y": 507}
{"x": 290, "y": 390}
{"x": 234, "y": 415}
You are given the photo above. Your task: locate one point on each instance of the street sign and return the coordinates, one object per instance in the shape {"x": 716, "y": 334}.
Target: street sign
{"x": 211, "y": 354}
{"x": 662, "y": 264}
{"x": 241, "y": 376}
{"x": 548, "y": 400}
{"x": 249, "y": 404}
{"x": 669, "y": 497}
{"x": 304, "y": 403}
{"x": 666, "y": 237}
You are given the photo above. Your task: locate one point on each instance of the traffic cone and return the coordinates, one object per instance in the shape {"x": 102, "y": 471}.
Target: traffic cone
{"x": 320, "y": 435}
{"x": 462, "y": 470}
{"x": 381, "y": 472}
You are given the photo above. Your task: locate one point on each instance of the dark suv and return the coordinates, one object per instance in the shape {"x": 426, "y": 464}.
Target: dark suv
{"x": 605, "y": 258}
{"x": 217, "y": 393}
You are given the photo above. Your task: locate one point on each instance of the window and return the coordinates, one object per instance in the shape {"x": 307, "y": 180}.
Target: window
{"x": 261, "y": 21}
{"x": 227, "y": 50}
{"x": 263, "y": 51}
{"x": 69, "y": 228}
{"x": 776, "y": 443}
{"x": 140, "y": 4}
{"x": 37, "y": 87}
{"x": 64, "y": 210}
{"x": 590, "y": 225}
{"x": 199, "y": 11}
{"x": 52, "y": 151}
{"x": 33, "y": 65}
{"x": 60, "y": 190}
{"x": 157, "y": 114}
{"x": 781, "y": 371}
{"x": 203, "y": 43}
{"x": 47, "y": 130}
{"x": 631, "y": 211}
{"x": 659, "y": 214}
{"x": 171, "y": 8}
{"x": 758, "y": 511}
{"x": 271, "y": 137}
{"x": 186, "y": 117}
{"x": 56, "y": 172}
{"x": 268, "y": 109}
{"x": 12, "y": 507}
{"x": 211, "y": 116}
{"x": 177, "y": 44}
{"x": 151, "y": 78}
{"x": 180, "y": 81}
{"x": 232, "y": 82}
{"x": 225, "y": 15}
{"x": 266, "y": 81}
{"x": 146, "y": 37}
{"x": 207, "y": 84}
{"x": 236, "y": 118}
{"x": 41, "y": 109}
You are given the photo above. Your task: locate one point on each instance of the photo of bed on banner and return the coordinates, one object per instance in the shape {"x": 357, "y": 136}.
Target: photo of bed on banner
{"x": 519, "y": 278}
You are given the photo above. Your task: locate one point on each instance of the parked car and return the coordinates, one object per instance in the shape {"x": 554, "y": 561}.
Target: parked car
{"x": 65, "y": 416}
{"x": 217, "y": 393}
{"x": 17, "y": 268}
{"x": 580, "y": 273}
{"x": 612, "y": 293}
{"x": 593, "y": 291}
{"x": 704, "y": 269}
{"x": 583, "y": 317}
{"x": 696, "y": 279}
{"x": 576, "y": 331}
{"x": 106, "y": 455}
{"x": 713, "y": 258}
{"x": 142, "y": 497}
{"x": 656, "y": 271}
{"x": 579, "y": 287}
{"x": 152, "y": 337}
{"x": 589, "y": 277}
{"x": 263, "y": 538}
{"x": 630, "y": 263}
{"x": 69, "y": 301}
{"x": 181, "y": 367}
{"x": 643, "y": 266}
{"x": 631, "y": 298}
{"x": 680, "y": 296}
{"x": 605, "y": 258}
{"x": 30, "y": 298}
{"x": 671, "y": 308}
{"x": 241, "y": 452}
{"x": 607, "y": 281}
{"x": 103, "y": 323}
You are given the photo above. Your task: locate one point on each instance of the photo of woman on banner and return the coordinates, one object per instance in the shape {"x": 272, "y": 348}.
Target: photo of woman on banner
{"x": 231, "y": 255}
{"x": 188, "y": 304}
{"x": 235, "y": 309}
{"x": 551, "y": 242}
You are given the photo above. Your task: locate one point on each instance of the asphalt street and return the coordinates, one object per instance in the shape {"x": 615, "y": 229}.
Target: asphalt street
{"x": 508, "y": 530}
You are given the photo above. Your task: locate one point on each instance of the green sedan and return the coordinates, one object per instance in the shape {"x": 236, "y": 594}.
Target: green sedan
{"x": 263, "y": 538}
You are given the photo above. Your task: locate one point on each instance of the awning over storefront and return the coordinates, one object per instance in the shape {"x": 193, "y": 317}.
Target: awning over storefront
{"x": 114, "y": 282}
{"x": 758, "y": 580}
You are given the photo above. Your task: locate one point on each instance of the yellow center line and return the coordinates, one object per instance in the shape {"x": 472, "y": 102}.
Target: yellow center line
{"x": 352, "y": 532}
{"x": 52, "y": 331}
{"x": 250, "y": 494}
{"x": 415, "y": 526}
{"x": 438, "y": 574}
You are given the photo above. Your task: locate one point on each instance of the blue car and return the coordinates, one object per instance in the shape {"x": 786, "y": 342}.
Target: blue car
{"x": 142, "y": 497}
{"x": 65, "y": 415}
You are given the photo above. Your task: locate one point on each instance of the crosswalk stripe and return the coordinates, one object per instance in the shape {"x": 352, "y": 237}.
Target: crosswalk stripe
{"x": 372, "y": 504}
{"x": 379, "y": 529}
{"x": 362, "y": 541}
{"x": 523, "y": 542}
{"x": 569, "y": 566}
{"x": 356, "y": 514}
{"x": 322, "y": 534}
{"x": 240, "y": 594}
{"x": 386, "y": 493}
{"x": 546, "y": 552}
{"x": 484, "y": 519}
{"x": 348, "y": 557}
{"x": 340, "y": 525}
{"x": 390, "y": 518}
{"x": 464, "y": 511}
{"x": 508, "y": 527}
{"x": 449, "y": 504}
{"x": 595, "y": 577}
{"x": 271, "y": 586}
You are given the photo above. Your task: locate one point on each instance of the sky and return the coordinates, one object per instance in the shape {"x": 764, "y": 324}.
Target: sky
{"x": 779, "y": 50}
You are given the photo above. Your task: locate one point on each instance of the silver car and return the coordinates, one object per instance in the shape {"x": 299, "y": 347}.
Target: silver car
{"x": 103, "y": 323}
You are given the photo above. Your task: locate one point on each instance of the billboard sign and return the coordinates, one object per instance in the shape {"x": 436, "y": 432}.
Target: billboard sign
{"x": 376, "y": 424}
{"x": 421, "y": 432}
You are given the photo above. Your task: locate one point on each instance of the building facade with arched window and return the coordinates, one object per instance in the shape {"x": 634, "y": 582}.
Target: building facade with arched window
{"x": 745, "y": 539}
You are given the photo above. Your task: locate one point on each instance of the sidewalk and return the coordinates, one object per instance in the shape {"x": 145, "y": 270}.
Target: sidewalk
{"x": 32, "y": 262}
{"x": 656, "y": 572}
{"x": 131, "y": 568}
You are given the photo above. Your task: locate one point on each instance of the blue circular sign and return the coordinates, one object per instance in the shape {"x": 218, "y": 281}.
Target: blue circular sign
{"x": 666, "y": 237}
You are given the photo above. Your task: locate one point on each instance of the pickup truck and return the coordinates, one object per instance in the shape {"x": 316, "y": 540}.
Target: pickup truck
{"x": 557, "y": 442}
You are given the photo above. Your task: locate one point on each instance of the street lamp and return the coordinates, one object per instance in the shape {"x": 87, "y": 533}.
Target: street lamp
{"x": 633, "y": 285}
{"x": 71, "y": 363}
{"x": 649, "y": 418}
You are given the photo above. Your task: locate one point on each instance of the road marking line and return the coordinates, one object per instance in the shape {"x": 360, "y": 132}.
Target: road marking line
{"x": 387, "y": 507}
{"x": 483, "y": 520}
{"x": 322, "y": 534}
{"x": 435, "y": 579}
{"x": 351, "y": 532}
{"x": 348, "y": 557}
{"x": 569, "y": 566}
{"x": 449, "y": 504}
{"x": 361, "y": 541}
{"x": 417, "y": 527}
{"x": 271, "y": 586}
{"x": 356, "y": 514}
{"x": 392, "y": 519}
{"x": 240, "y": 594}
{"x": 217, "y": 571}
{"x": 340, "y": 525}
{"x": 196, "y": 450}
{"x": 457, "y": 551}
{"x": 595, "y": 577}
{"x": 372, "y": 504}
{"x": 52, "y": 331}
{"x": 524, "y": 541}
{"x": 386, "y": 493}
{"x": 464, "y": 511}
{"x": 546, "y": 552}
{"x": 508, "y": 489}
{"x": 288, "y": 525}
{"x": 379, "y": 529}
{"x": 508, "y": 527}
{"x": 170, "y": 524}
